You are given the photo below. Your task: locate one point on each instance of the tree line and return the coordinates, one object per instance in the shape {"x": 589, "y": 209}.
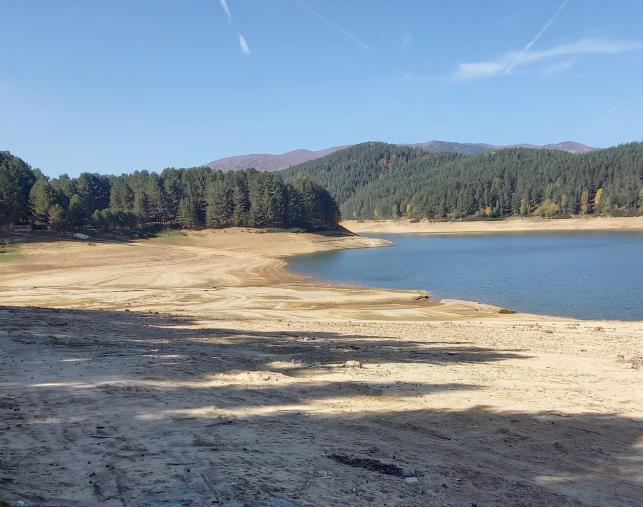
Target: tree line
{"x": 190, "y": 198}
{"x": 377, "y": 180}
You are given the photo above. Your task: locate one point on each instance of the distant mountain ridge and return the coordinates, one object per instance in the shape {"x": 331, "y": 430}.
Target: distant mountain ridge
{"x": 271, "y": 162}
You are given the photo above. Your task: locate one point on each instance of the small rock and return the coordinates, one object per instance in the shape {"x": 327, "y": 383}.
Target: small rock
{"x": 352, "y": 364}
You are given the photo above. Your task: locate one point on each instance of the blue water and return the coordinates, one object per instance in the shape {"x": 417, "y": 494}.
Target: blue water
{"x": 589, "y": 275}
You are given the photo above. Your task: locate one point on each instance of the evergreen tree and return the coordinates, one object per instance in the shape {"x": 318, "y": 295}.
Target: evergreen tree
{"x": 295, "y": 207}
{"x": 187, "y": 214}
{"x": 75, "y": 213}
{"x": 240, "y": 200}
{"x": 16, "y": 179}
{"x": 173, "y": 191}
{"x": 156, "y": 205}
{"x": 56, "y": 217}
{"x": 41, "y": 198}
{"x": 141, "y": 208}
{"x": 94, "y": 192}
{"x": 65, "y": 187}
{"x": 219, "y": 206}
{"x": 121, "y": 195}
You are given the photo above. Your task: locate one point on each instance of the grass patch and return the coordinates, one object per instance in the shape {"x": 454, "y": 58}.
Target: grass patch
{"x": 625, "y": 213}
{"x": 150, "y": 231}
{"x": 169, "y": 236}
{"x": 10, "y": 252}
{"x": 284, "y": 229}
{"x": 168, "y": 232}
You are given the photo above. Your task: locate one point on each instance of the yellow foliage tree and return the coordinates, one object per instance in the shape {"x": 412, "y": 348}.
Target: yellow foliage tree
{"x": 564, "y": 202}
{"x": 598, "y": 198}
{"x": 584, "y": 202}
{"x": 548, "y": 209}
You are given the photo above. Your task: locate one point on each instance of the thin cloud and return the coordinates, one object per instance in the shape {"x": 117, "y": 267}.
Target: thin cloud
{"x": 538, "y": 35}
{"x": 226, "y": 10}
{"x": 334, "y": 25}
{"x": 477, "y": 70}
{"x": 558, "y": 67}
{"x": 243, "y": 44}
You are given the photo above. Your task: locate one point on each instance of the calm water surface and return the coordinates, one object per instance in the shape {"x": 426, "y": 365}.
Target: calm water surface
{"x": 590, "y": 275}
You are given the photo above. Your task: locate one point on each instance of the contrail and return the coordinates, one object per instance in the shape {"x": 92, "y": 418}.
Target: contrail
{"x": 538, "y": 35}
{"x": 226, "y": 9}
{"x": 243, "y": 44}
{"x": 334, "y": 25}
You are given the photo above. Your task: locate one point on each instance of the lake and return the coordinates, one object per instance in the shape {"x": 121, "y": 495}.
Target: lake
{"x": 589, "y": 275}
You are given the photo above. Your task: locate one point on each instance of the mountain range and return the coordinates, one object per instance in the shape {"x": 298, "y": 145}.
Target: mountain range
{"x": 271, "y": 162}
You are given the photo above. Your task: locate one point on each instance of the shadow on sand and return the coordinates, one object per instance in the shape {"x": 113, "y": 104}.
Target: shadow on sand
{"x": 125, "y": 408}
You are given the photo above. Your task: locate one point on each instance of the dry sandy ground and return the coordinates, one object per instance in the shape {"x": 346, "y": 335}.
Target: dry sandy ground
{"x": 195, "y": 370}
{"x": 510, "y": 225}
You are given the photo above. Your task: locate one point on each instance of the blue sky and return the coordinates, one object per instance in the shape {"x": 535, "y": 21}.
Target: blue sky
{"x": 119, "y": 85}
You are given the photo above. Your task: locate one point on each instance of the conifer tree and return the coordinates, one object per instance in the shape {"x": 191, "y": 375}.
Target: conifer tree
{"x": 41, "y": 198}
{"x": 187, "y": 214}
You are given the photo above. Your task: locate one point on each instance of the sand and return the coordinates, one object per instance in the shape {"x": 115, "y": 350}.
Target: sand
{"x": 496, "y": 226}
{"x": 196, "y": 370}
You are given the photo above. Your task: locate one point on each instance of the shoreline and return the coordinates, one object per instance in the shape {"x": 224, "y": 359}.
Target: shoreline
{"x": 429, "y": 228}
{"x": 262, "y": 269}
{"x": 511, "y": 225}
{"x": 198, "y": 273}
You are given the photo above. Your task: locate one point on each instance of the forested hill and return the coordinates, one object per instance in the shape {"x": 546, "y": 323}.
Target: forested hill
{"x": 375, "y": 180}
{"x": 197, "y": 197}
{"x": 343, "y": 172}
